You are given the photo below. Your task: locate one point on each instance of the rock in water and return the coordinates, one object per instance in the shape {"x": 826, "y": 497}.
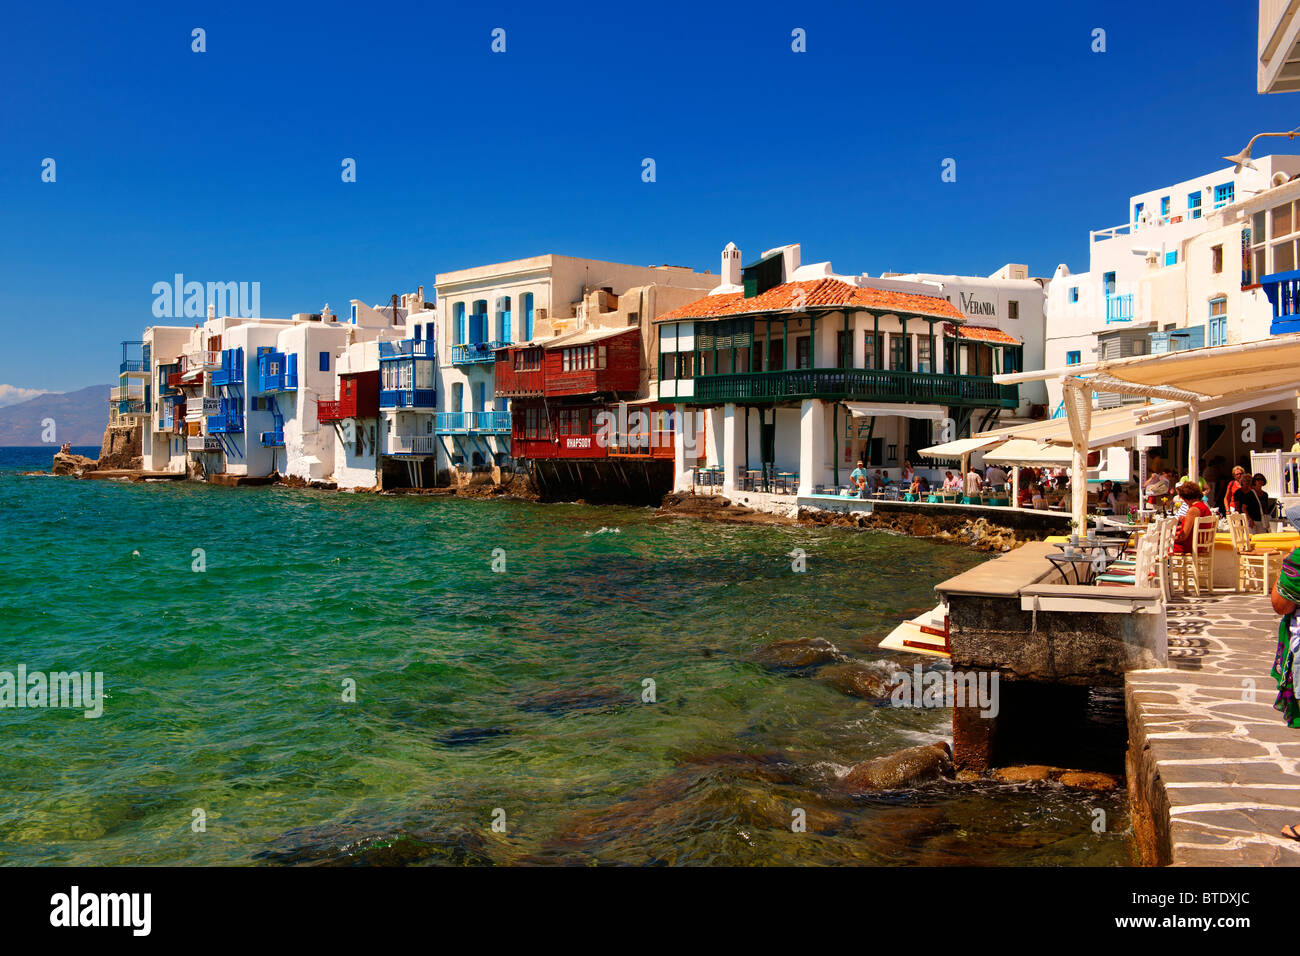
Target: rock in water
{"x": 857, "y": 680}
{"x": 906, "y": 768}
{"x": 797, "y": 653}
{"x": 66, "y": 463}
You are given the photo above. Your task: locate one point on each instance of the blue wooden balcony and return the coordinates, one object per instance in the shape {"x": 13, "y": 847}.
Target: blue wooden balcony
{"x": 475, "y": 353}
{"x": 134, "y": 357}
{"x": 1119, "y": 308}
{"x": 1283, "y": 291}
{"x": 425, "y": 398}
{"x": 229, "y": 421}
{"x": 407, "y": 348}
{"x": 232, "y": 368}
{"x": 273, "y": 439}
{"x": 277, "y": 372}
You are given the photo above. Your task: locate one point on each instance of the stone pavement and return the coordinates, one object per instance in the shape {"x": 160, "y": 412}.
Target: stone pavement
{"x": 1213, "y": 771}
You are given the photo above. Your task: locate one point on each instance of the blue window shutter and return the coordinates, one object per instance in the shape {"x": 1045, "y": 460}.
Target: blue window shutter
{"x": 1196, "y": 337}
{"x": 324, "y": 361}
{"x": 1171, "y": 258}
{"x": 292, "y": 366}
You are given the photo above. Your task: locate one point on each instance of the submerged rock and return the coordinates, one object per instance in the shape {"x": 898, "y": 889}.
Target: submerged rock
{"x": 352, "y": 844}
{"x": 1077, "y": 779}
{"x": 581, "y": 699}
{"x": 465, "y": 736}
{"x": 797, "y": 653}
{"x": 906, "y": 768}
{"x": 857, "y": 680}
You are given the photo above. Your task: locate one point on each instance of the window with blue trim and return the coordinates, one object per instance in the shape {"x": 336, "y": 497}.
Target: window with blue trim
{"x": 460, "y": 324}
{"x": 1171, "y": 258}
{"x": 324, "y": 361}
{"x": 1194, "y": 205}
{"x": 1216, "y": 329}
{"x": 1223, "y": 194}
{"x": 1164, "y": 205}
{"x": 1137, "y": 210}
{"x": 354, "y": 315}
{"x": 1073, "y": 358}
{"x": 1074, "y": 293}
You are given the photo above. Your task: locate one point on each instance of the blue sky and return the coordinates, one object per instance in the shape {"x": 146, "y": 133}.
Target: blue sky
{"x": 225, "y": 165}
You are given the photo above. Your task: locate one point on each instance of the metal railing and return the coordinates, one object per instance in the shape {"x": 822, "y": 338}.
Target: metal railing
{"x": 464, "y": 423}
{"x": 475, "y": 352}
{"x": 880, "y": 385}
{"x": 408, "y": 348}
{"x": 408, "y": 398}
{"x": 410, "y": 444}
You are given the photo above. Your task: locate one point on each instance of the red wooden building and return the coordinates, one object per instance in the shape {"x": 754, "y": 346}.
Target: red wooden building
{"x": 358, "y": 398}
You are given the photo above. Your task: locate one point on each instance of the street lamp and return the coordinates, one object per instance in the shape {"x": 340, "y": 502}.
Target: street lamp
{"x": 1243, "y": 158}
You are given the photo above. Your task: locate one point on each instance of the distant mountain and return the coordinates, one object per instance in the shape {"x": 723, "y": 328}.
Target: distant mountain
{"x": 79, "y": 417}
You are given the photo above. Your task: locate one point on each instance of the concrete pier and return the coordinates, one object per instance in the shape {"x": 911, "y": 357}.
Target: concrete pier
{"x": 1213, "y": 772}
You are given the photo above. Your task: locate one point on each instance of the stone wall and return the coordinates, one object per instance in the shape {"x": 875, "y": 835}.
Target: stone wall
{"x": 121, "y": 448}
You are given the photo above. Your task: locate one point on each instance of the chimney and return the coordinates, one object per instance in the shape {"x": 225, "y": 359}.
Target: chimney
{"x": 212, "y": 311}
{"x": 731, "y": 265}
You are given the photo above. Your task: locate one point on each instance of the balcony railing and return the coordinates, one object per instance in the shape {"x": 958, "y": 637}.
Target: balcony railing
{"x": 232, "y": 374}
{"x": 408, "y": 398}
{"x": 330, "y": 410}
{"x": 410, "y": 444}
{"x": 1283, "y": 292}
{"x": 877, "y": 385}
{"x": 203, "y": 358}
{"x": 202, "y": 443}
{"x": 132, "y": 365}
{"x": 1119, "y": 308}
{"x": 227, "y": 423}
{"x": 273, "y": 439}
{"x": 466, "y": 423}
{"x": 475, "y": 353}
{"x": 407, "y": 348}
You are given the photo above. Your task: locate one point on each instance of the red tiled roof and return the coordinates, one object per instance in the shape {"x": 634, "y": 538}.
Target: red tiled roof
{"x": 981, "y": 333}
{"x": 814, "y": 293}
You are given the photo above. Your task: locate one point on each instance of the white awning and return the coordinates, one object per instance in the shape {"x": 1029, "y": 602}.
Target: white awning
{"x": 934, "y": 413}
{"x": 1021, "y": 451}
{"x": 962, "y": 446}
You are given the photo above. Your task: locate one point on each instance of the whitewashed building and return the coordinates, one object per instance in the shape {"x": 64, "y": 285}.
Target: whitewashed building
{"x": 1141, "y": 291}
{"x": 787, "y": 374}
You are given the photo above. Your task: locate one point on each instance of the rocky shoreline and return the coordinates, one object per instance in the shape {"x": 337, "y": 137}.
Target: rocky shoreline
{"x": 978, "y": 533}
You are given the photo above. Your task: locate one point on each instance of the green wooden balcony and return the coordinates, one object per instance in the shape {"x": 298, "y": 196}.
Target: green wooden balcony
{"x": 856, "y": 384}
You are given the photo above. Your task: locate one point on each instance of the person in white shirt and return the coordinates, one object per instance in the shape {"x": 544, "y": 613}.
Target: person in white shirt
{"x": 995, "y": 475}
{"x": 973, "y": 483}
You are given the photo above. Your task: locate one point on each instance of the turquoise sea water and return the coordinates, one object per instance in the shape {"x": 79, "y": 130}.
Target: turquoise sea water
{"x": 517, "y": 694}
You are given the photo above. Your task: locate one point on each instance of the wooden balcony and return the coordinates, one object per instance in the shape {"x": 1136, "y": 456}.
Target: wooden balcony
{"x": 335, "y": 410}
{"x": 856, "y": 384}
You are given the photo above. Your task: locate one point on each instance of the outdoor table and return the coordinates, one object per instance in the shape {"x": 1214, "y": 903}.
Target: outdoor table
{"x": 782, "y": 480}
{"x": 1073, "y": 568}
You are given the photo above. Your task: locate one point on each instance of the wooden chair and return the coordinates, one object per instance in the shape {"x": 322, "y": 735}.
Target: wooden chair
{"x": 1196, "y": 566}
{"x": 1144, "y": 570}
{"x": 1256, "y": 567}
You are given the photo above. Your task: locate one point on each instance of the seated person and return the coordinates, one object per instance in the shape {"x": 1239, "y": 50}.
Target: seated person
{"x": 951, "y": 482}
{"x": 1191, "y": 493}
{"x": 1254, "y": 503}
{"x": 920, "y": 486}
